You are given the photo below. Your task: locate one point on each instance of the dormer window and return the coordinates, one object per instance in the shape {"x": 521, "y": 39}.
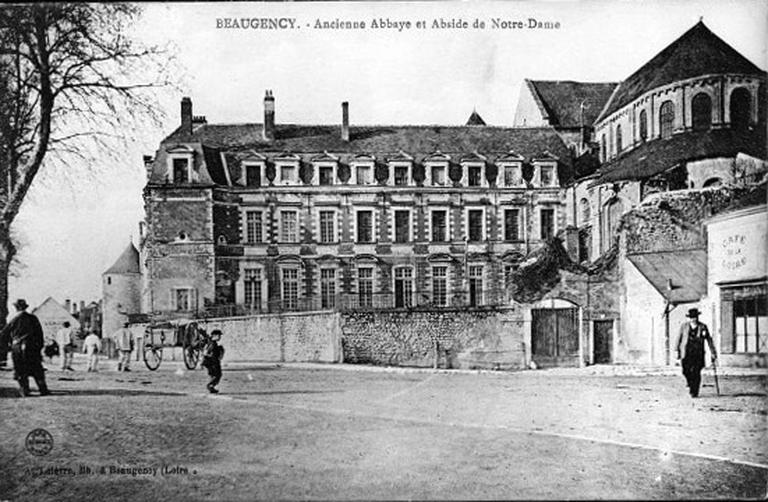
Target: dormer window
{"x": 545, "y": 171}
{"x": 474, "y": 176}
{"x": 438, "y": 175}
{"x": 401, "y": 170}
{"x": 513, "y": 175}
{"x": 287, "y": 170}
{"x": 181, "y": 170}
{"x": 547, "y": 176}
{"x": 436, "y": 169}
{"x": 180, "y": 165}
{"x": 325, "y": 169}
{"x": 401, "y": 175}
{"x": 288, "y": 174}
{"x": 326, "y": 175}
{"x": 253, "y": 170}
{"x": 362, "y": 170}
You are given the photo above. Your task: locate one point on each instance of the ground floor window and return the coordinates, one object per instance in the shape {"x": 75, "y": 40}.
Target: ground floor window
{"x": 327, "y": 288}
{"x": 365, "y": 286}
{"x": 750, "y": 324}
{"x": 253, "y": 287}
{"x": 440, "y": 286}
{"x": 183, "y": 299}
{"x": 475, "y": 285}
{"x": 290, "y": 289}
{"x": 403, "y": 287}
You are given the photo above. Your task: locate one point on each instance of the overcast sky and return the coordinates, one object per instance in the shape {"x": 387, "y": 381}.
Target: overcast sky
{"x": 70, "y": 231}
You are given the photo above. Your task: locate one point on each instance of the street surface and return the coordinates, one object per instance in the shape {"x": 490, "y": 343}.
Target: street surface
{"x": 341, "y": 432}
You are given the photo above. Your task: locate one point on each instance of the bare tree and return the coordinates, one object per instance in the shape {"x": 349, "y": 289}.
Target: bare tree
{"x": 71, "y": 78}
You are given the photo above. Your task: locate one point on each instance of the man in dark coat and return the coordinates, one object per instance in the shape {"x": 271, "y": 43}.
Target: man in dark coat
{"x": 26, "y": 338}
{"x": 690, "y": 349}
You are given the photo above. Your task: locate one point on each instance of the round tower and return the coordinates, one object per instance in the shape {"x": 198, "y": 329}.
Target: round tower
{"x": 121, "y": 290}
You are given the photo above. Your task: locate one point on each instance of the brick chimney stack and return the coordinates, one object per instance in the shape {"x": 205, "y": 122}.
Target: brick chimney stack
{"x": 345, "y": 121}
{"x": 269, "y": 116}
{"x": 186, "y": 115}
{"x": 67, "y": 305}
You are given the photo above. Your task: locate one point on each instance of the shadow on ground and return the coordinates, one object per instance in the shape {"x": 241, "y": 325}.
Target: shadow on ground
{"x": 7, "y": 392}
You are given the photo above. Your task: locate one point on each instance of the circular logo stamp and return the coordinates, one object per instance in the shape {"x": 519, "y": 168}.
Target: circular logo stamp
{"x": 39, "y": 442}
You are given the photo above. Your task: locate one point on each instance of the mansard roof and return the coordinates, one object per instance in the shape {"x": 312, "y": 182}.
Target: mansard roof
{"x": 655, "y": 157}
{"x": 560, "y": 100}
{"x": 127, "y": 263}
{"x": 697, "y": 52}
{"x": 224, "y": 146}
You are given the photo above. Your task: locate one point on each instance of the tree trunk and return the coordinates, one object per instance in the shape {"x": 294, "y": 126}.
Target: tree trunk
{"x": 7, "y": 253}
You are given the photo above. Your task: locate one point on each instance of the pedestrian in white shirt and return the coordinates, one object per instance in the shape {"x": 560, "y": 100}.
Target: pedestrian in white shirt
{"x": 92, "y": 347}
{"x": 124, "y": 341}
{"x": 66, "y": 346}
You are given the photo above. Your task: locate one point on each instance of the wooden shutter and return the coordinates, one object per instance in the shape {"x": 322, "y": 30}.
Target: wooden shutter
{"x": 726, "y": 322}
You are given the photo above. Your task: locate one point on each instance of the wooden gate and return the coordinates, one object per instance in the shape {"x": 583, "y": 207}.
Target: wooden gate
{"x": 603, "y": 340}
{"x": 555, "y": 337}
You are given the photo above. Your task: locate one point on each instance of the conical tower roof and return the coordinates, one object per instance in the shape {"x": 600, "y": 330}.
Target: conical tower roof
{"x": 697, "y": 52}
{"x": 128, "y": 263}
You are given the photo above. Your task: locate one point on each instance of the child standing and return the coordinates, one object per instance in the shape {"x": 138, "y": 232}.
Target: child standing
{"x": 212, "y": 356}
{"x": 92, "y": 347}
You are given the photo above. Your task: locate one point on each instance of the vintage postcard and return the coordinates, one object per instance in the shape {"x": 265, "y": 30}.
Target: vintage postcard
{"x": 383, "y": 250}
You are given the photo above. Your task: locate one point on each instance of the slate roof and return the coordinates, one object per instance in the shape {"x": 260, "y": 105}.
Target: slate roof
{"x": 697, "y": 52}
{"x": 560, "y": 100}
{"x": 127, "y": 263}
{"x": 657, "y": 156}
{"x": 238, "y": 141}
{"x": 687, "y": 269}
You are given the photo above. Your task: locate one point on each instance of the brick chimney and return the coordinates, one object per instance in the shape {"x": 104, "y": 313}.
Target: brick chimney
{"x": 345, "y": 121}
{"x": 269, "y": 116}
{"x": 186, "y": 115}
{"x": 67, "y": 305}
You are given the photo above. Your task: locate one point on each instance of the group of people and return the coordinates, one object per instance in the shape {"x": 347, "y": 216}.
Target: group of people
{"x": 24, "y": 335}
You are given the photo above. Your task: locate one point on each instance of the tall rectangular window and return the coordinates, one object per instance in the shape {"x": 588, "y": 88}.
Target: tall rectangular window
{"x": 750, "y": 319}
{"x": 327, "y": 233}
{"x": 289, "y": 226}
{"x": 439, "y": 226}
{"x": 440, "y": 286}
{"x": 474, "y": 176}
{"x": 401, "y": 175}
{"x": 290, "y": 288}
{"x": 253, "y": 287}
{"x": 364, "y": 175}
{"x": 511, "y": 224}
{"x": 438, "y": 175}
{"x": 547, "y": 224}
{"x": 253, "y": 227}
{"x": 402, "y": 226}
{"x": 365, "y": 286}
{"x": 327, "y": 288}
{"x": 403, "y": 287}
{"x": 365, "y": 226}
{"x": 326, "y": 175}
{"x": 512, "y": 176}
{"x": 475, "y": 225}
{"x": 180, "y": 170}
{"x": 475, "y": 285}
{"x": 253, "y": 176}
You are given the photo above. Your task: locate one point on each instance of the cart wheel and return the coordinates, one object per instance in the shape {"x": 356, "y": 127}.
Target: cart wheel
{"x": 191, "y": 357}
{"x": 153, "y": 356}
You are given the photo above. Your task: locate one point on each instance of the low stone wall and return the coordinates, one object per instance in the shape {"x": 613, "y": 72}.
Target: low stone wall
{"x": 299, "y": 337}
{"x": 447, "y": 338}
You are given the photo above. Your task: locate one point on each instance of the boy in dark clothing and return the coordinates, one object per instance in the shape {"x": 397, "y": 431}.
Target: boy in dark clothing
{"x": 212, "y": 356}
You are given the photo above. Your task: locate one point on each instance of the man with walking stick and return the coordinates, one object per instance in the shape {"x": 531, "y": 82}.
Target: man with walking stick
{"x": 690, "y": 350}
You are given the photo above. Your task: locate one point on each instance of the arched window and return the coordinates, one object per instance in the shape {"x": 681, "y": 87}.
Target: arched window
{"x": 713, "y": 182}
{"x": 603, "y": 153}
{"x": 643, "y": 125}
{"x": 618, "y": 139}
{"x": 740, "y": 108}
{"x": 701, "y": 109}
{"x": 667, "y": 119}
{"x": 585, "y": 211}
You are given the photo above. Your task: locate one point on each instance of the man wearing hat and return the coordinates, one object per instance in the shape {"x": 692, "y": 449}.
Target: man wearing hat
{"x": 26, "y": 338}
{"x": 690, "y": 349}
